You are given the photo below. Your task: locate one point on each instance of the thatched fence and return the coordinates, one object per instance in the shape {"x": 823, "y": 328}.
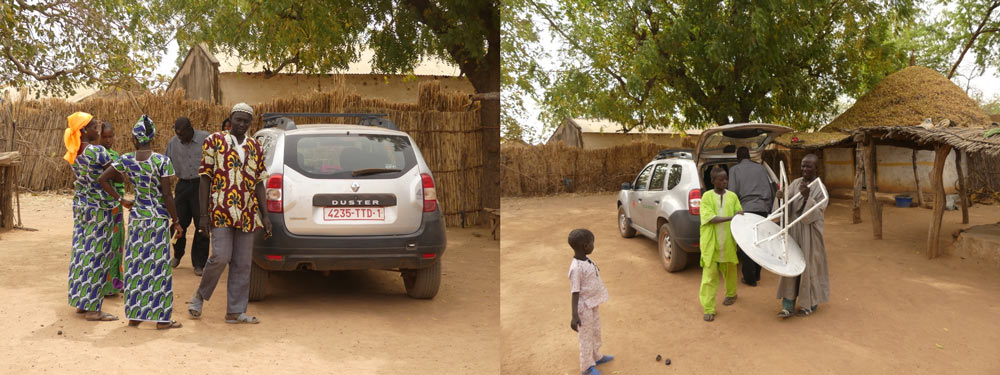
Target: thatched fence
{"x": 445, "y": 126}
{"x": 543, "y": 170}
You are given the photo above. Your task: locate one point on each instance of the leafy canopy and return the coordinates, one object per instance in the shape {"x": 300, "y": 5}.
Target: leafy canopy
{"x": 694, "y": 63}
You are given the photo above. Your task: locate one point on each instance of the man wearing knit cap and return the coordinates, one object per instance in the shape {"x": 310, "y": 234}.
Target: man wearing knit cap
{"x": 232, "y": 208}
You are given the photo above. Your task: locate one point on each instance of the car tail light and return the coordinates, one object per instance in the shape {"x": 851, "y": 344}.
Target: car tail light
{"x": 427, "y": 255}
{"x": 273, "y": 192}
{"x": 694, "y": 202}
{"x": 275, "y": 257}
{"x": 430, "y": 193}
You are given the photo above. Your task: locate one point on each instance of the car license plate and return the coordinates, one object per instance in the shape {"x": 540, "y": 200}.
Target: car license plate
{"x": 354, "y": 213}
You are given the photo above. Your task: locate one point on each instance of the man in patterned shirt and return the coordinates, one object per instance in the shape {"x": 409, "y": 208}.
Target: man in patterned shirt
{"x": 232, "y": 208}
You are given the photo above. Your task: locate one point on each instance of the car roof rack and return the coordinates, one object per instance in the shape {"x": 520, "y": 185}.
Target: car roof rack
{"x": 282, "y": 121}
{"x": 674, "y": 153}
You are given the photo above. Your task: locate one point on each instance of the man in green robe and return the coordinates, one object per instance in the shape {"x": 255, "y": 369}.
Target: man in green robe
{"x": 718, "y": 248}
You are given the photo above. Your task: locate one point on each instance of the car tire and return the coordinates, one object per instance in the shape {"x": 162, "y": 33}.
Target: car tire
{"x": 423, "y": 283}
{"x": 673, "y": 258}
{"x": 258, "y": 282}
{"x": 625, "y": 224}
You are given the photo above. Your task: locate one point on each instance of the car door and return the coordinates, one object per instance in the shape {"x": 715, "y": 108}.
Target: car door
{"x": 639, "y": 198}
{"x": 653, "y": 196}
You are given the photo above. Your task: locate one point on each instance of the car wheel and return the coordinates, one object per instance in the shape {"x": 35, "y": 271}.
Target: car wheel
{"x": 258, "y": 282}
{"x": 673, "y": 259}
{"x": 625, "y": 224}
{"x": 423, "y": 283}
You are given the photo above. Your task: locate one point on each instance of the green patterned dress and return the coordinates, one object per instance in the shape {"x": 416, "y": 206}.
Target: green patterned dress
{"x": 115, "y": 281}
{"x": 148, "y": 282}
{"x": 92, "y": 230}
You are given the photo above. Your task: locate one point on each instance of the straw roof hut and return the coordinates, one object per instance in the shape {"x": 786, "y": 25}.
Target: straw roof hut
{"x": 915, "y": 108}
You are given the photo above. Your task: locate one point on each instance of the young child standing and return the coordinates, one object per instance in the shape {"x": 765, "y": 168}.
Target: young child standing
{"x": 588, "y": 292}
{"x": 718, "y": 248}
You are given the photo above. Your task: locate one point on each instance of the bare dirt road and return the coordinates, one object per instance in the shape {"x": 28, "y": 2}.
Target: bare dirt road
{"x": 347, "y": 323}
{"x": 892, "y": 311}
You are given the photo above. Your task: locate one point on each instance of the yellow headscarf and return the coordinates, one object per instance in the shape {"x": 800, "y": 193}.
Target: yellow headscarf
{"x": 71, "y": 137}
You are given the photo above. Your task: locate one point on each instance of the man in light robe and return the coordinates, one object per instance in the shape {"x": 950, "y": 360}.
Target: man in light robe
{"x": 812, "y": 287}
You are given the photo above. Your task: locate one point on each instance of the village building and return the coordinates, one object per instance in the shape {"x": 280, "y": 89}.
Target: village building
{"x": 227, "y": 79}
{"x": 592, "y": 134}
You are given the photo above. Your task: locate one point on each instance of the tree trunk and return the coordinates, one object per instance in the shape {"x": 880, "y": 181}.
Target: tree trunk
{"x": 916, "y": 179}
{"x": 962, "y": 193}
{"x": 859, "y": 175}
{"x": 934, "y": 235}
{"x": 876, "y": 207}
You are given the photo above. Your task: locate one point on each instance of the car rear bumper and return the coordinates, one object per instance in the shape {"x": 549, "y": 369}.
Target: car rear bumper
{"x": 685, "y": 229}
{"x": 328, "y": 253}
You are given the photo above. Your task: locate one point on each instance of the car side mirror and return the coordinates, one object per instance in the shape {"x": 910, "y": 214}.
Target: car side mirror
{"x": 627, "y": 186}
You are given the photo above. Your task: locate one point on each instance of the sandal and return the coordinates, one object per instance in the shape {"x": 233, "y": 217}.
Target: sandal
{"x": 102, "y": 317}
{"x": 804, "y": 312}
{"x": 134, "y": 323}
{"x": 605, "y": 359}
{"x": 243, "y": 319}
{"x": 194, "y": 307}
{"x": 592, "y": 371}
{"x": 729, "y": 301}
{"x": 172, "y": 324}
{"x": 709, "y": 317}
{"x": 784, "y": 314}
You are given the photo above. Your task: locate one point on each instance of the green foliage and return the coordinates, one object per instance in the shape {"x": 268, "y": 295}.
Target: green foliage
{"x": 55, "y": 45}
{"x": 521, "y": 74}
{"x": 696, "y": 63}
{"x": 325, "y": 35}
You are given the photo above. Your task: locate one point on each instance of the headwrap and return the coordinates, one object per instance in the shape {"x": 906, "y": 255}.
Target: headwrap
{"x": 71, "y": 137}
{"x": 143, "y": 130}
{"x": 242, "y": 107}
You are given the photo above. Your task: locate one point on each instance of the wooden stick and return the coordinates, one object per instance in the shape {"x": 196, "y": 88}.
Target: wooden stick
{"x": 876, "y": 207}
{"x": 962, "y": 192}
{"x": 916, "y": 178}
{"x": 933, "y": 236}
{"x": 859, "y": 175}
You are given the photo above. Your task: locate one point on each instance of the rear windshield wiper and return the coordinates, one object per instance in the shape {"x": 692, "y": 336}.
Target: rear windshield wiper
{"x": 371, "y": 171}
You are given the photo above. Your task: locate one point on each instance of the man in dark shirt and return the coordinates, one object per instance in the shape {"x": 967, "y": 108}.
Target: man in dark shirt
{"x": 184, "y": 151}
{"x": 751, "y": 184}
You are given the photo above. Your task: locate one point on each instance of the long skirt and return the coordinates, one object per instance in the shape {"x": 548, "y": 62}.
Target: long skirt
{"x": 88, "y": 267}
{"x": 149, "y": 294}
{"x": 115, "y": 281}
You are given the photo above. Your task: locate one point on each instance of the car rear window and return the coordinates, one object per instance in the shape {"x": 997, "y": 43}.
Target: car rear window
{"x": 337, "y": 156}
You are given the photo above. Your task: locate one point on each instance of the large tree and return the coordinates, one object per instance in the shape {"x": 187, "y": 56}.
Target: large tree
{"x": 961, "y": 41}
{"x": 521, "y": 51}
{"x": 317, "y": 36}
{"x": 692, "y": 63}
{"x": 55, "y": 46}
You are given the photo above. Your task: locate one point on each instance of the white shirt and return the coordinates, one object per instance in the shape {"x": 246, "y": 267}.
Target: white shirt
{"x": 584, "y": 278}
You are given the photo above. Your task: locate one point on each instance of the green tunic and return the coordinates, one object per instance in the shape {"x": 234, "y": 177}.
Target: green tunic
{"x": 713, "y": 233}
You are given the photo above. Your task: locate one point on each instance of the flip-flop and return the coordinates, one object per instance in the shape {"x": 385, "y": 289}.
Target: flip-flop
{"x": 194, "y": 307}
{"x": 605, "y": 359}
{"x": 803, "y": 312}
{"x": 784, "y": 314}
{"x": 729, "y": 300}
{"x": 592, "y": 371}
{"x": 244, "y": 319}
{"x": 173, "y": 324}
{"x": 103, "y": 317}
{"x": 709, "y": 317}
{"x": 134, "y": 323}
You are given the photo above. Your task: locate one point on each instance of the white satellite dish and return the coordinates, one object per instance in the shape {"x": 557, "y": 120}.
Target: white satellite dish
{"x": 768, "y": 243}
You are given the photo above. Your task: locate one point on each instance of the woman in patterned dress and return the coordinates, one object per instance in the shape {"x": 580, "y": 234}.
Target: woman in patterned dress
{"x": 92, "y": 220}
{"x": 115, "y": 281}
{"x": 149, "y": 293}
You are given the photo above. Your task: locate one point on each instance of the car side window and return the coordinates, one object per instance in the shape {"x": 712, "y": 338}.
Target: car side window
{"x": 675, "y": 176}
{"x": 659, "y": 174}
{"x": 642, "y": 181}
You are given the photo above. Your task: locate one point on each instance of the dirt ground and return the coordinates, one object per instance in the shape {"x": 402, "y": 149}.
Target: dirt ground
{"x": 892, "y": 311}
{"x": 348, "y": 322}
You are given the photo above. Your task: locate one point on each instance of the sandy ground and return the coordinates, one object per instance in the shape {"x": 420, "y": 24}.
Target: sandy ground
{"x": 891, "y": 310}
{"x": 349, "y": 322}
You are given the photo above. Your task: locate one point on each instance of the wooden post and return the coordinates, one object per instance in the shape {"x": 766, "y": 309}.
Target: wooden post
{"x": 859, "y": 175}
{"x": 962, "y": 193}
{"x": 916, "y": 178}
{"x": 876, "y": 207}
{"x": 940, "y": 155}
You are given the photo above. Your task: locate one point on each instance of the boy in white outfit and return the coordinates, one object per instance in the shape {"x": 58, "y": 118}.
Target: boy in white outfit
{"x": 588, "y": 292}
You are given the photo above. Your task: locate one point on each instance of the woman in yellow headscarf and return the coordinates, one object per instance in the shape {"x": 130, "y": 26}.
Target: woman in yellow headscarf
{"x": 92, "y": 219}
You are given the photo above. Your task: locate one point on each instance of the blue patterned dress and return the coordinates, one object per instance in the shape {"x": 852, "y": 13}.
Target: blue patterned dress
{"x": 92, "y": 230}
{"x": 149, "y": 292}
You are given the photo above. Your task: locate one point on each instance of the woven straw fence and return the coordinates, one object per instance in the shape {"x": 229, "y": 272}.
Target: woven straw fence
{"x": 543, "y": 170}
{"x": 445, "y": 126}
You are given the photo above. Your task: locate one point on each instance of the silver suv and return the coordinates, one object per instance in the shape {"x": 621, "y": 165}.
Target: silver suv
{"x": 348, "y": 197}
{"x": 663, "y": 202}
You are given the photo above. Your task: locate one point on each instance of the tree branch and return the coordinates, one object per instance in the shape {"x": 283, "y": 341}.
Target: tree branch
{"x": 972, "y": 38}
{"x": 21, "y": 68}
{"x": 293, "y": 60}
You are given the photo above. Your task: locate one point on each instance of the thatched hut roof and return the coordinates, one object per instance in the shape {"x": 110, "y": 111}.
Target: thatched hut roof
{"x": 907, "y": 98}
{"x": 812, "y": 141}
